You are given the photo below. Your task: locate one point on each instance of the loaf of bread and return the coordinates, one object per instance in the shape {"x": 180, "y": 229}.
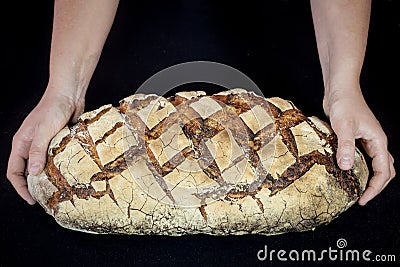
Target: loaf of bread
{"x": 223, "y": 164}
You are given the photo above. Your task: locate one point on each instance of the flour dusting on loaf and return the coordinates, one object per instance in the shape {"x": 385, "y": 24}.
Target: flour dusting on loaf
{"x": 222, "y": 164}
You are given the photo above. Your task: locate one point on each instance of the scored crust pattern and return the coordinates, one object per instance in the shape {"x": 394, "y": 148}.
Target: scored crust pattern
{"x": 138, "y": 168}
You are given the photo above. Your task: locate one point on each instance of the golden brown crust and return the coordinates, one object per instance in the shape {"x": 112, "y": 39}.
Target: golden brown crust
{"x": 229, "y": 163}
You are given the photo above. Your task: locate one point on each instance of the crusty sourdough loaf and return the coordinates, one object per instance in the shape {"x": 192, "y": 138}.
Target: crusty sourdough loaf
{"x": 227, "y": 163}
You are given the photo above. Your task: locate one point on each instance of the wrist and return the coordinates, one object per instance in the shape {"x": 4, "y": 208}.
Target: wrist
{"x": 56, "y": 94}
{"x": 64, "y": 96}
{"x": 70, "y": 77}
{"x": 339, "y": 90}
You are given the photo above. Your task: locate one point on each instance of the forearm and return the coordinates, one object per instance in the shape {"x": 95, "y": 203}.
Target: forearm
{"x": 341, "y": 29}
{"x": 80, "y": 28}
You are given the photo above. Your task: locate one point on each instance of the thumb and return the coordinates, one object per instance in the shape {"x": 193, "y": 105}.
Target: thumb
{"x": 346, "y": 145}
{"x": 38, "y": 149}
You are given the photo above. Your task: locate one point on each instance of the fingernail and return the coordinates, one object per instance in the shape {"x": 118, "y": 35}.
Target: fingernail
{"x": 31, "y": 202}
{"x": 34, "y": 168}
{"x": 362, "y": 202}
{"x": 345, "y": 162}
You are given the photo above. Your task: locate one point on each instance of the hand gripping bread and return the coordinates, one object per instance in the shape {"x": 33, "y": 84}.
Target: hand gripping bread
{"x": 221, "y": 164}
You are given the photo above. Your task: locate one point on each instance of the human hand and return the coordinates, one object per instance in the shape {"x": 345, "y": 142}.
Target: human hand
{"x": 352, "y": 119}
{"x": 30, "y": 142}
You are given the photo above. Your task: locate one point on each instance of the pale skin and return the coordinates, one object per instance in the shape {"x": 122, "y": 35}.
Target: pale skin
{"x": 80, "y": 29}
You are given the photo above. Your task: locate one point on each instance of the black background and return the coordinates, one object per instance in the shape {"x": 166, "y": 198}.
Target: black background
{"x": 272, "y": 42}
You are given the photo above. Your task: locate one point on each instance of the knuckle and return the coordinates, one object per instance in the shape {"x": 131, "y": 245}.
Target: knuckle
{"x": 349, "y": 144}
{"x": 9, "y": 175}
{"x": 21, "y": 140}
{"x": 378, "y": 181}
{"x": 12, "y": 176}
{"x": 342, "y": 124}
{"x": 374, "y": 189}
{"x": 383, "y": 139}
{"x": 17, "y": 138}
{"x": 346, "y": 146}
{"x": 35, "y": 150}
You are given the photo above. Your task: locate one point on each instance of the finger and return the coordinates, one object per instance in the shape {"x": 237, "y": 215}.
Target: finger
{"x": 392, "y": 174}
{"x": 346, "y": 145}
{"x": 382, "y": 176}
{"x": 38, "y": 149}
{"x": 16, "y": 169}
